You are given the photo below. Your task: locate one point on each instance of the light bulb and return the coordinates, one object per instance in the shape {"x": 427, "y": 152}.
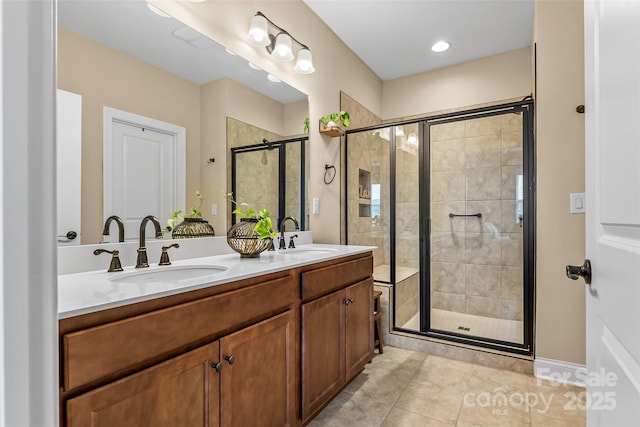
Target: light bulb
{"x": 282, "y": 49}
{"x": 258, "y": 32}
{"x": 304, "y": 63}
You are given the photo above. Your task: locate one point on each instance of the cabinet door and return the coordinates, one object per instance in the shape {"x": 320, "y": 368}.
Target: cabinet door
{"x": 182, "y": 391}
{"x": 323, "y": 347}
{"x": 359, "y": 326}
{"x": 257, "y": 380}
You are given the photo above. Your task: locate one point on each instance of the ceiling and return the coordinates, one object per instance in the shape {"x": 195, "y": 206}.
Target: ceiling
{"x": 394, "y": 37}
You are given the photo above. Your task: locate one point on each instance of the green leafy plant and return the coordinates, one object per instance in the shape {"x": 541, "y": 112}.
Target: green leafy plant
{"x": 306, "y": 125}
{"x": 176, "y": 217}
{"x": 264, "y": 225}
{"x": 342, "y": 118}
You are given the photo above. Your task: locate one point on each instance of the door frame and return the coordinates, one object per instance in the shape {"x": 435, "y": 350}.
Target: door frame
{"x": 526, "y": 107}
{"x": 179, "y": 134}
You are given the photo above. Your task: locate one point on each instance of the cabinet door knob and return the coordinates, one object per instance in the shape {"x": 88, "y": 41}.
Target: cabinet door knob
{"x": 348, "y": 301}
{"x": 217, "y": 366}
{"x": 229, "y": 359}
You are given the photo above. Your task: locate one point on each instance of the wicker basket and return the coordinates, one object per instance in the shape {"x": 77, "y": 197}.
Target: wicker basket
{"x": 244, "y": 240}
{"x": 193, "y": 227}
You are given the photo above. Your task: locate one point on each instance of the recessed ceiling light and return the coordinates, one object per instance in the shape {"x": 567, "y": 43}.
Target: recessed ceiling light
{"x": 158, "y": 11}
{"x": 273, "y": 78}
{"x": 440, "y": 46}
{"x": 254, "y": 66}
{"x": 230, "y": 52}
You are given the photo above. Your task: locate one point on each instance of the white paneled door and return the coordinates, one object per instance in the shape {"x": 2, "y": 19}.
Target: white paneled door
{"x": 612, "y": 76}
{"x": 144, "y": 170}
{"x": 69, "y": 169}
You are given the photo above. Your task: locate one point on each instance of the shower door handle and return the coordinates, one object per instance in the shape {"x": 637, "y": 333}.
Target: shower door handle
{"x": 584, "y": 271}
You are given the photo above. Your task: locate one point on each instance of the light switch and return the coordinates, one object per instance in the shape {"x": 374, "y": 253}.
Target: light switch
{"x": 316, "y": 206}
{"x": 577, "y": 202}
{"x": 214, "y": 209}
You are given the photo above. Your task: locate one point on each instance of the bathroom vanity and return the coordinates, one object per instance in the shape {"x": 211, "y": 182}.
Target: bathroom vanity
{"x": 268, "y": 341}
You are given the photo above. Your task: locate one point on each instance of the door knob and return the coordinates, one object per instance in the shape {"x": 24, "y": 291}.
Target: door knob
{"x": 584, "y": 271}
{"x": 217, "y": 366}
{"x": 230, "y": 359}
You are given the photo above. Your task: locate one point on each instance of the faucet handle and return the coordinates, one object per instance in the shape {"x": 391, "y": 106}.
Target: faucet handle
{"x": 164, "y": 257}
{"x": 291, "y": 244}
{"x": 281, "y": 242}
{"x": 115, "y": 264}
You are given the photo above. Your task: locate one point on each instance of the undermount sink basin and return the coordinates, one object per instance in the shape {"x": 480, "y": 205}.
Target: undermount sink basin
{"x": 177, "y": 274}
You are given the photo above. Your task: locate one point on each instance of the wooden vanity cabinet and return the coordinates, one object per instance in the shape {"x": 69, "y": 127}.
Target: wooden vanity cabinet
{"x": 337, "y": 331}
{"x": 183, "y": 391}
{"x": 242, "y": 378}
{"x": 227, "y": 358}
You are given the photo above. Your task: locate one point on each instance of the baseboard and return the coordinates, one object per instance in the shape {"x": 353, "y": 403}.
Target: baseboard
{"x": 560, "y": 371}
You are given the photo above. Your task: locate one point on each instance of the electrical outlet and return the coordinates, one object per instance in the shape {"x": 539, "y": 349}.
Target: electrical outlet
{"x": 316, "y": 206}
{"x": 214, "y": 209}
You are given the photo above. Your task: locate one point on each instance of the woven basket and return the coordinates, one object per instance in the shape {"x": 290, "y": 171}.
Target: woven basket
{"x": 193, "y": 227}
{"x": 244, "y": 240}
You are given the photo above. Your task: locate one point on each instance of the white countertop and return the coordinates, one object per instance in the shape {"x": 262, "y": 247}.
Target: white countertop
{"x": 86, "y": 292}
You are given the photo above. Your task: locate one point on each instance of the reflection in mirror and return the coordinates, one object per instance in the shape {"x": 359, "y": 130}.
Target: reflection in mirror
{"x": 273, "y": 175}
{"x": 118, "y": 54}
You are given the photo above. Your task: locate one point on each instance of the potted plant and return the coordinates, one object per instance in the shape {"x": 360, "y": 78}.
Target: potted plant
{"x": 331, "y": 124}
{"x": 253, "y": 233}
{"x": 192, "y": 225}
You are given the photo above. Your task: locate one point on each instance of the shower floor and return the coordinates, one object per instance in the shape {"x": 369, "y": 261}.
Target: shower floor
{"x": 479, "y": 326}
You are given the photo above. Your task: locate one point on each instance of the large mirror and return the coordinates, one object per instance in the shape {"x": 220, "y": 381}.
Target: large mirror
{"x": 171, "y": 93}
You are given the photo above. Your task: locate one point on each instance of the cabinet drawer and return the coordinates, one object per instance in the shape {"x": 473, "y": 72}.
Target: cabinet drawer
{"x": 118, "y": 347}
{"x": 324, "y": 280}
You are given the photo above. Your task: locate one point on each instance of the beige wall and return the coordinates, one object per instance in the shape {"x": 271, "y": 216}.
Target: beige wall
{"x": 560, "y": 311}
{"x": 560, "y": 304}
{"x": 336, "y": 68}
{"x": 489, "y": 79}
{"x": 105, "y": 77}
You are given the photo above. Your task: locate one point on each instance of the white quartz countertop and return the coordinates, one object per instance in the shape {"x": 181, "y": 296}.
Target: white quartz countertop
{"x": 86, "y": 292}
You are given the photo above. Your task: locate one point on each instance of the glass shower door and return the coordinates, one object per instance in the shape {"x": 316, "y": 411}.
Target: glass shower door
{"x": 477, "y": 213}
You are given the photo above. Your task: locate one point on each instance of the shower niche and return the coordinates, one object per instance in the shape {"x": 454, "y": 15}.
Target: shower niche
{"x": 452, "y": 274}
{"x": 364, "y": 193}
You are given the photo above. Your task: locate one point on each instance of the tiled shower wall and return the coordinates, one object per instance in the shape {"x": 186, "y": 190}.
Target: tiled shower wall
{"x": 368, "y": 151}
{"x": 476, "y": 264}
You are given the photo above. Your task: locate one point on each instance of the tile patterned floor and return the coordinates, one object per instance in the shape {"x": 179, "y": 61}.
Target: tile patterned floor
{"x": 404, "y": 388}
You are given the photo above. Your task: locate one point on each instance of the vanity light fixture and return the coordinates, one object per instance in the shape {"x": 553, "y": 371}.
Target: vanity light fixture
{"x": 273, "y": 78}
{"x": 230, "y": 52}
{"x": 254, "y": 66}
{"x": 440, "y": 46}
{"x": 279, "y": 44}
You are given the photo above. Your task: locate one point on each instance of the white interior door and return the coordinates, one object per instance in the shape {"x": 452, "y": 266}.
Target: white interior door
{"x": 612, "y": 75}
{"x": 69, "y": 166}
{"x": 144, "y": 170}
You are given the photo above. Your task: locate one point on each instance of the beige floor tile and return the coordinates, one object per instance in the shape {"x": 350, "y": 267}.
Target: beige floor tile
{"x": 437, "y": 370}
{"x": 385, "y": 388}
{"x": 352, "y": 410}
{"x": 433, "y": 400}
{"x": 492, "y": 415}
{"x": 401, "y": 418}
{"x": 563, "y": 403}
{"x": 542, "y": 421}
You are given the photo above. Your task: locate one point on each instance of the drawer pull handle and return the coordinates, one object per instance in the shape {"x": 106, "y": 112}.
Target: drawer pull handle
{"x": 229, "y": 359}
{"x": 217, "y": 366}
{"x": 348, "y": 301}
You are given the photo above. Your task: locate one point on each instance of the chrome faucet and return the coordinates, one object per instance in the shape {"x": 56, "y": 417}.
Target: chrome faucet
{"x": 281, "y": 244}
{"x": 142, "y": 250}
{"x": 118, "y": 220}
